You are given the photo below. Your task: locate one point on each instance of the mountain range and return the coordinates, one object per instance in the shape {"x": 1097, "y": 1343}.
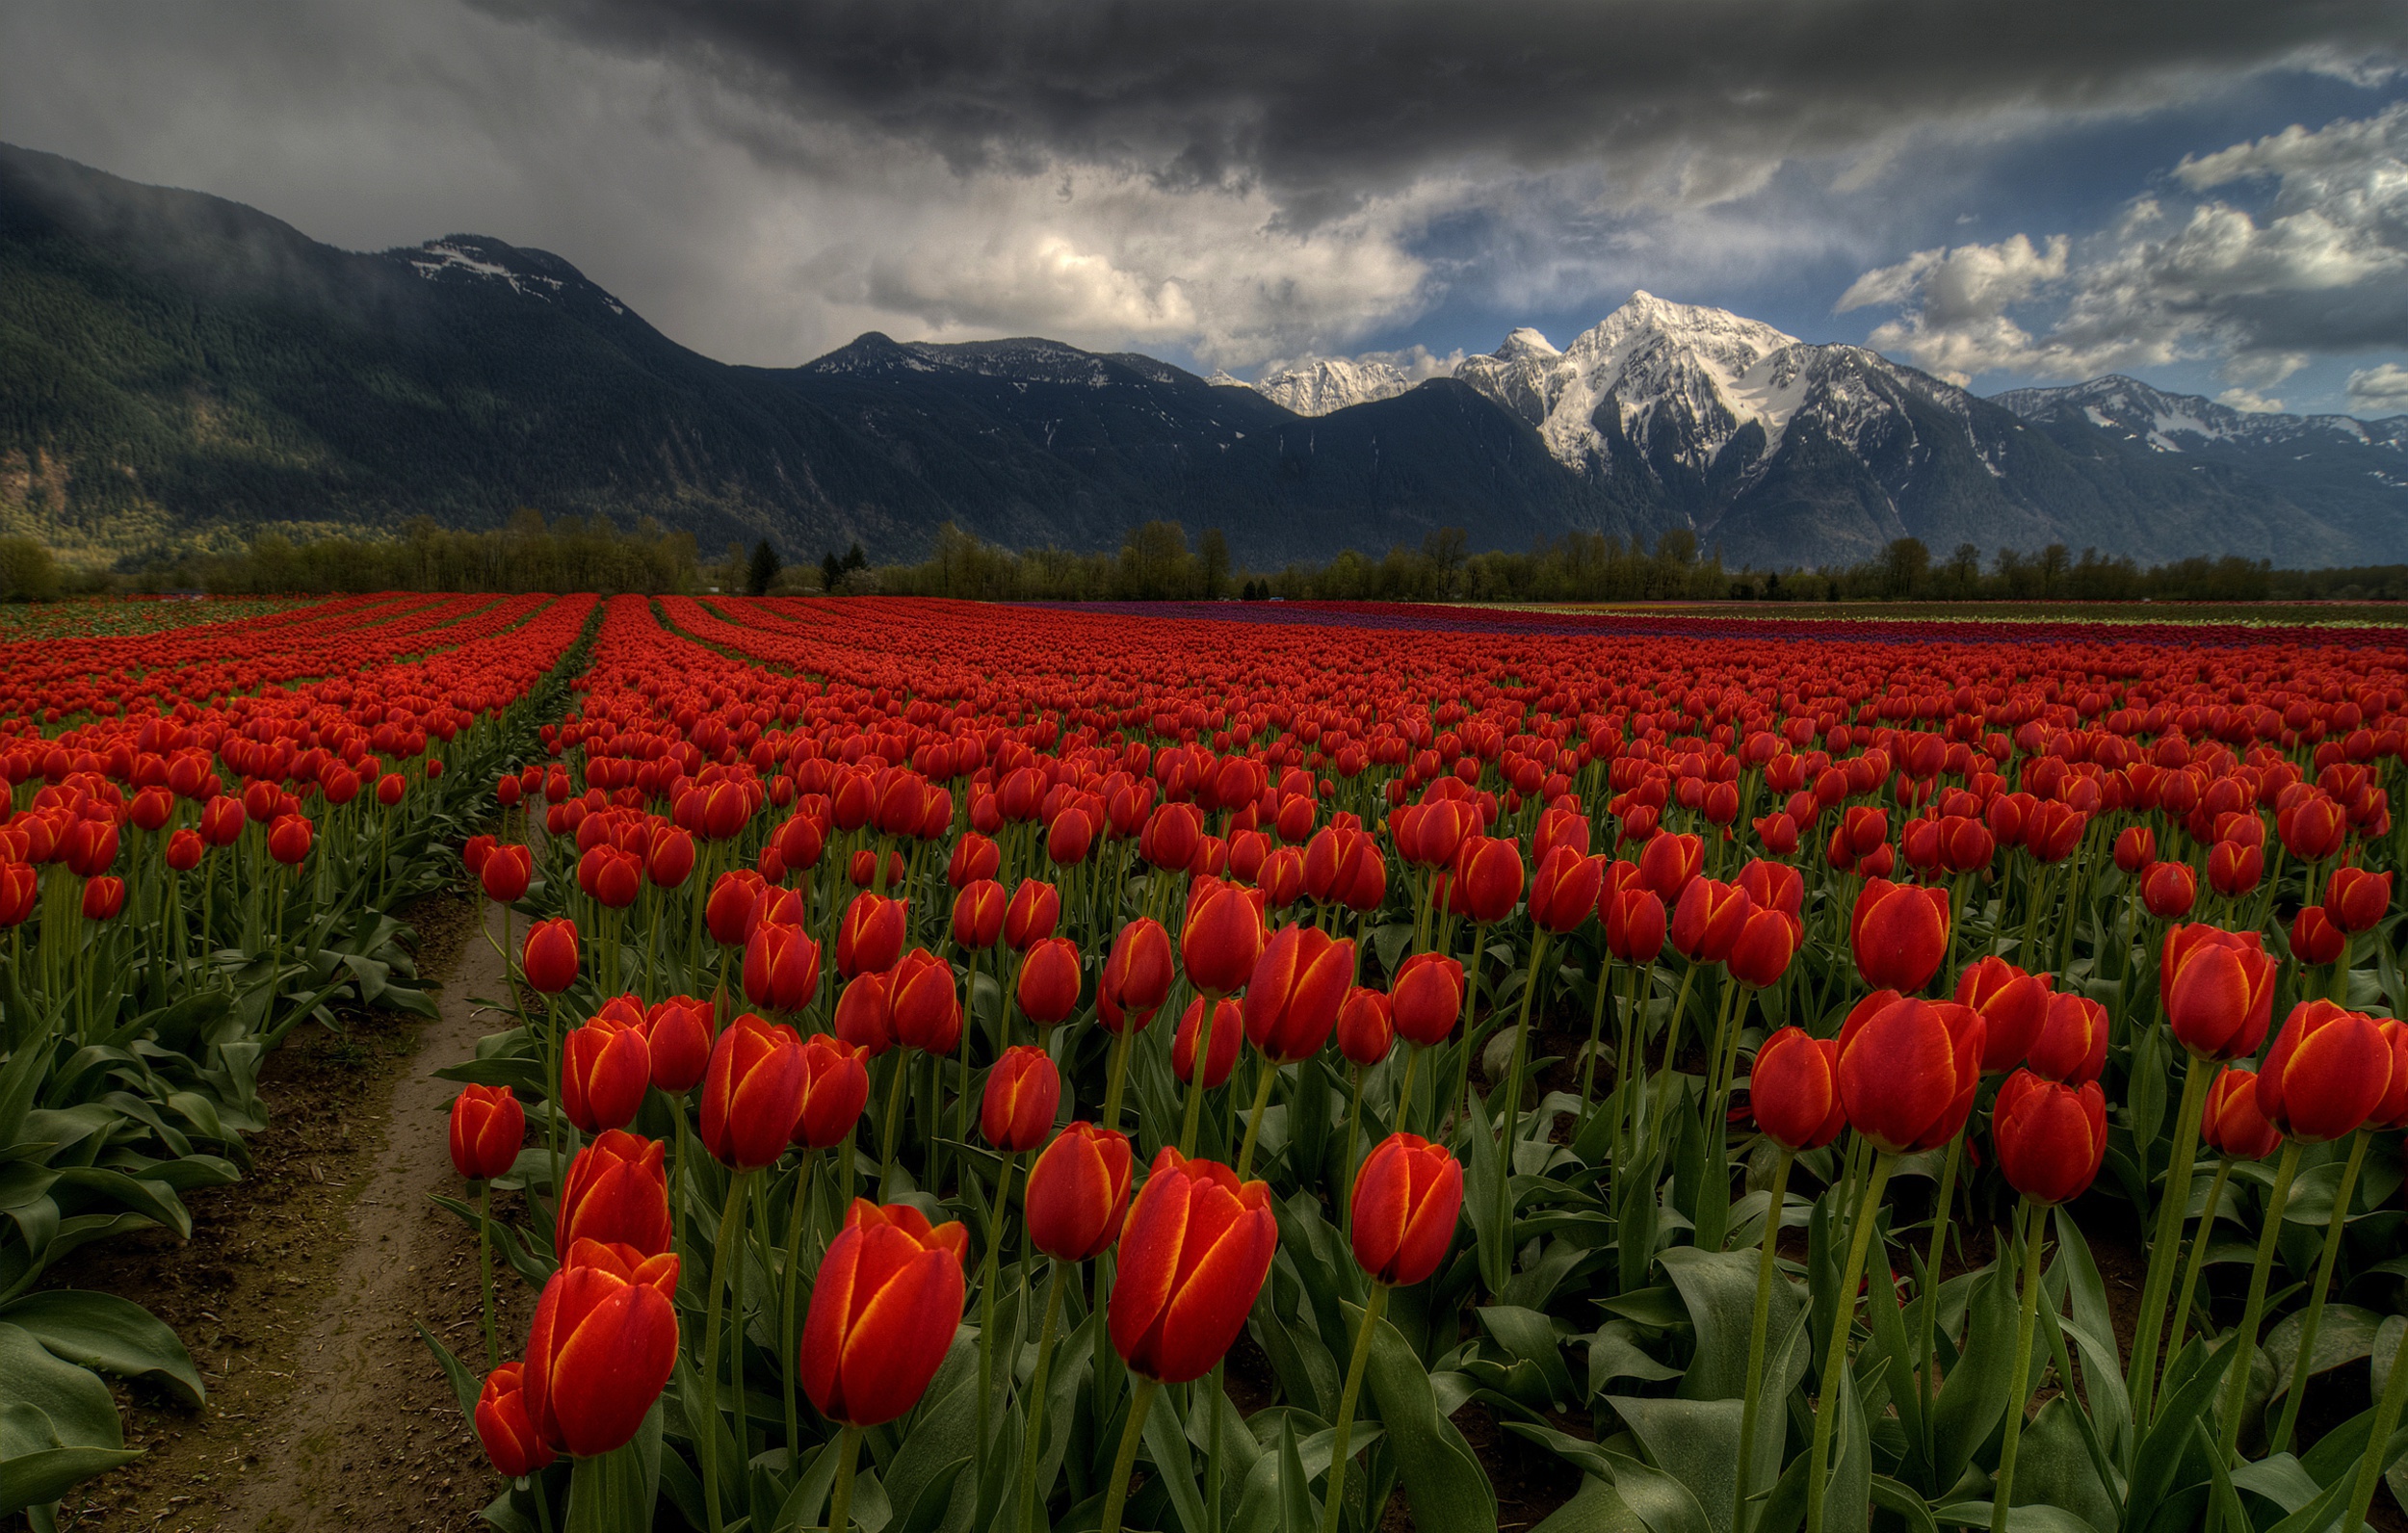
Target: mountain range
{"x": 178, "y": 370}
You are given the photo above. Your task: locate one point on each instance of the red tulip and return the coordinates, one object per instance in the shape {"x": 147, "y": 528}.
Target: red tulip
{"x": 883, "y": 1312}
{"x": 616, "y": 1191}
{"x": 1293, "y": 999}
{"x": 2391, "y": 1112}
{"x": 2234, "y": 868}
{"x": 925, "y": 1001}
{"x": 1407, "y": 1197}
{"x": 835, "y": 1088}
{"x": 728, "y": 912}
{"x": 669, "y": 861}
{"x": 753, "y": 1093}
{"x": 1137, "y": 976}
{"x": 1079, "y": 1192}
{"x": 1050, "y": 978}
{"x": 1023, "y": 1094}
{"x": 1564, "y": 892}
{"x": 222, "y": 821}
{"x": 2218, "y": 988}
{"x": 1221, "y": 938}
{"x": 1899, "y": 933}
{"x": 979, "y": 914}
{"x": 1667, "y": 863}
{"x": 2357, "y": 900}
{"x": 19, "y": 891}
{"x": 550, "y": 955}
{"x": 1487, "y": 877}
{"x": 2135, "y": 849}
{"x": 1636, "y": 924}
{"x": 2051, "y": 1139}
{"x": 91, "y": 847}
{"x": 2073, "y": 1039}
{"x": 488, "y": 1127}
{"x": 1773, "y": 886}
{"x": 2328, "y": 1071}
{"x": 289, "y": 839}
{"x": 1761, "y": 952}
{"x": 1707, "y": 920}
{"x": 1192, "y": 1258}
{"x": 506, "y": 872}
{"x": 103, "y": 898}
{"x": 1793, "y": 1090}
{"x": 1366, "y": 1029}
{"x": 871, "y": 936}
{"x": 184, "y": 851}
{"x": 2314, "y": 938}
{"x": 2169, "y": 889}
{"x": 1908, "y": 1071}
{"x": 678, "y": 1033}
{"x": 1035, "y": 910}
{"x": 602, "y": 1345}
{"x": 864, "y": 1018}
{"x": 2014, "y": 1005}
{"x": 1221, "y": 1050}
{"x": 1425, "y": 997}
{"x": 2314, "y": 829}
{"x": 2232, "y": 1124}
{"x": 505, "y": 1427}
{"x": 605, "y": 1068}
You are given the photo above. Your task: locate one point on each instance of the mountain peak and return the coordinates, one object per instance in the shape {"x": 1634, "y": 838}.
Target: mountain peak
{"x": 1321, "y": 385}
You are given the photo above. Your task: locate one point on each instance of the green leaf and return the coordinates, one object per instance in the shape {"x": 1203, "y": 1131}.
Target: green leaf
{"x": 1718, "y": 1287}
{"x": 1530, "y": 1336}
{"x": 1663, "y": 1504}
{"x": 1444, "y": 1483}
{"x": 1167, "y": 1445}
{"x": 113, "y": 1335}
{"x": 74, "y": 1408}
{"x": 1695, "y": 1442}
{"x": 1297, "y": 1512}
{"x": 1613, "y": 1354}
{"x": 1974, "y": 1396}
{"x": 1596, "y": 1507}
{"x": 613, "y": 1491}
{"x": 466, "y": 1386}
{"x": 42, "y": 1476}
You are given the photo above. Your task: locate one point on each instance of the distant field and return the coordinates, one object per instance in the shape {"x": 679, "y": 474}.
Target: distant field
{"x": 121, "y": 616}
{"x": 2286, "y": 615}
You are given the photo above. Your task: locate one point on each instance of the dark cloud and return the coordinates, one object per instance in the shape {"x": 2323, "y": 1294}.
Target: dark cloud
{"x": 1326, "y": 101}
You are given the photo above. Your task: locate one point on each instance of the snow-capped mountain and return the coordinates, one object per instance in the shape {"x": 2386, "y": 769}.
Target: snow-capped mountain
{"x": 1785, "y": 451}
{"x": 2178, "y": 423}
{"x": 1324, "y": 385}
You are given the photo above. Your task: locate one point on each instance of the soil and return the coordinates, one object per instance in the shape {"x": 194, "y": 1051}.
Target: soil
{"x": 299, "y": 1291}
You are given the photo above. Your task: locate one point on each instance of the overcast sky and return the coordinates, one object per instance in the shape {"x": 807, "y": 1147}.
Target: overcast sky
{"x": 2212, "y": 195}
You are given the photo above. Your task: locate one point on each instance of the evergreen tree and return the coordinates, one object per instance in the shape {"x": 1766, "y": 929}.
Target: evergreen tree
{"x": 763, "y": 572}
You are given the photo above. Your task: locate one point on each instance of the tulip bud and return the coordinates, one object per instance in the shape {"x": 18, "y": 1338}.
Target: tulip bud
{"x": 601, "y": 1349}
{"x": 1192, "y": 1258}
{"x": 864, "y": 1018}
{"x": 184, "y": 851}
{"x": 883, "y": 1312}
{"x": 1488, "y": 875}
{"x": 550, "y": 955}
{"x": 1228, "y": 1030}
{"x": 1425, "y": 997}
{"x": 488, "y": 1127}
{"x": 1707, "y": 920}
{"x": 1292, "y": 1000}
{"x": 506, "y": 872}
{"x": 2328, "y": 1071}
{"x": 1908, "y": 1071}
{"x": 728, "y": 912}
{"x": 2234, "y": 868}
{"x": 1050, "y": 980}
{"x": 1667, "y": 863}
{"x": 1898, "y": 934}
{"x": 871, "y": 936}
{"x": 2314, "y": 938}
{"x": 2218, "y": 988}
{"x": 1636, "y": 924}
{"x": 925, "y": 1001}
{"x": 1365, "y": 1031}
{"x": 2357, "y": 900}
{"x": 503, "y": 1426}
{"x": 2391, "y": 1112}
{"x": 605, "y": 1069}
{"x": 2230, "y": 1125}
{"x": 1035, "y": 910}
{"x": 103, "y": 898}
{"x": 669, "y": 861}
{"x": 1023, "y": 1093}
{"x": 1761, "y": 953}
{"x": 2135, "y": 849}
{"x": 288, "y": 838}
{"x": 1078, "y": 1193}
{"x": 979, "y": 914}
{"x": 1137, "y": 976}
{"x": 1793, "y": 1090}
{"x": 2073, "y": 1039}
{"x": 18, "y": 891}
{"x": 1407, "y": 1198}
{"x": 751, "y": 1093}
{"x": 2051, "y": 1139}
{"x": 2169, "y": 889}
{"x": 2013, "y": 1006}
{"x": 616, "y": 1191}
{"x": 1221, "y": 939}
{"x": 835, "y": 1088}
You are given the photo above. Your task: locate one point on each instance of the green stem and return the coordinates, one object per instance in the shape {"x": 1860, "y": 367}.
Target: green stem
{"x": 1334, "y": 1500}
{"x": 987, "y": 1292}
{"x": 728, "y": 1215}
{"x": 2245, "y": 1338}
{"x": 2308, "y": 1322}
{"x": 1765, "y": 1270}
{"x": 2387, "y": 1411}
{"x": 1926, "y": 1300}
{"x": 894, "y": 1117}
{"x": 2198, "y": 1258}
{"x": 1596, "y": 1030}
{"x": 2141, "y": 1380}
{"x": 1119, "y": 1072}
{"x": 1033, "y": 1448}
{"x": 786, "y": 1301}
{"x": 2003, "y": 1495}
{"x": 485, "y": 1272}
{"x": 1125, "y": 1461}
{"x": 1196, "y": 1073}
{"x": 1266, "y": 1075}
{"x": 1835, "y": 1355}
{"x": 1512, "y": 1087}
{"x": 840, "y": 1500}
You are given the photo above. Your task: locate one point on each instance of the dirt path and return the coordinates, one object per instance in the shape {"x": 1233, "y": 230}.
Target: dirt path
{"x": 299, "y": 1292}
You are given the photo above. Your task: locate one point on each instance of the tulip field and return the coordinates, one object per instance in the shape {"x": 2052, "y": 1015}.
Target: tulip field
{"x": 1260, "y": 1066}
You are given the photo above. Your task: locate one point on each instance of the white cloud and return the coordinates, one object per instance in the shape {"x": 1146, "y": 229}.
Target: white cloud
{"x": 2249, "y": 401}
{"x": 2322, "y": 267}
{"x": 2381, "y": 390}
